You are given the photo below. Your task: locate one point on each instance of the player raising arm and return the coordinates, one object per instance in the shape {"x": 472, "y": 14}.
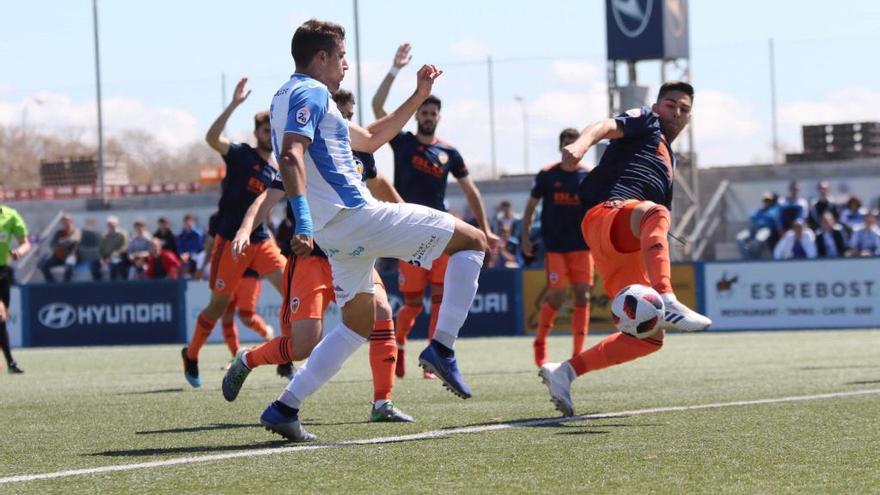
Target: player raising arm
{"x": 628, "y": 197}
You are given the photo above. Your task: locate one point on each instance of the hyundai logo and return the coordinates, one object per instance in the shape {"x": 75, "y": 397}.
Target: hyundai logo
{"x": 632, "y": 16}
{"x": 57, "y": 315}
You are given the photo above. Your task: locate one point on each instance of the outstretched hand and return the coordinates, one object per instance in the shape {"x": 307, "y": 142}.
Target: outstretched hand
{"x": 239, "y": 95}
{"x": 425, "y": 82}
{"x": 402, "y": 57}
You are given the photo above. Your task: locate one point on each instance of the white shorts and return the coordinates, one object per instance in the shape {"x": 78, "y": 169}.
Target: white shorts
{"x": 354, "y": 239}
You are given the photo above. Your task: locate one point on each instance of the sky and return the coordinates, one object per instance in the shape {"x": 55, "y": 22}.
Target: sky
{"x": 163, "y": 65}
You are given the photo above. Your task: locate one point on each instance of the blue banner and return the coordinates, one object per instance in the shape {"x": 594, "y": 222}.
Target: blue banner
{"x": 646, "y": 29}
{"x": 497, "y": 307}
{"x": 111, "y": 313}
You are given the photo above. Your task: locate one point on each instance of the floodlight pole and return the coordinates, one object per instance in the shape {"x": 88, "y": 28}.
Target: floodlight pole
{"x": 100, "y": 113}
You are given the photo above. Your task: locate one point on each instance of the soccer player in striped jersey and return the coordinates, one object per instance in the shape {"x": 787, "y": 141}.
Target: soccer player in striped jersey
{"x": 628, "y": 197}
{"x": 313, "y": 144}
{"x": 308, "y": 292}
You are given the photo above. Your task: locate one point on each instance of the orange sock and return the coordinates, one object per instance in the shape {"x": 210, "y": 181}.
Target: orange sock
{"x": 254, "y": 321}
{"x": 383, "y": 355}
{"x": 655, "y": 248}
{"x": 580, "y": 327}
{"x": 435, "y": 311}
{"x": 616, "y": 348}
{"x": 277, "y": 351}
{"x": 230, "y": 335}
{"x": 545, "y": 321}
{"x": 406, "y": 318}
{"x": 204, "y": 327}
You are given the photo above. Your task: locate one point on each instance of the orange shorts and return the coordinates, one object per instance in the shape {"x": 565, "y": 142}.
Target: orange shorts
{"x": 412, "y": 278}
{"x": 308, "y": 289}
{"x": 575, "y": 267}
{"x": 263, "y": 258}
{"x": 617, "y": 269}
{"x": 247, "y": 294}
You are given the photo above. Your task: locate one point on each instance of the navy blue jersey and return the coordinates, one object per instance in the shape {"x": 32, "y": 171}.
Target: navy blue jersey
{"x": 421, "y": 170}
{"x": 247, "y": 176}
{"x": 640, "y": 165}
{"x": 561, "y": 207}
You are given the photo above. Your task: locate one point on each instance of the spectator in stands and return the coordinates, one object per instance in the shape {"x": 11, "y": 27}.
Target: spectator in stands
{"x": 507, "y": 250}
{"x": 830, "y": 238}
{"x": 164, "y": 232}
{"x": 505, "y": 216}
{"x": 138, "y": 247}
{"x": 763, "y": 231}
{"x": 792, "y": 207}
{"x": 162, "y": 263}
{"x": 190, "y": 242}
{"x": 820, "y": 205}
{"x": 88, "y": 249}
{"x": 865, "y": 239}
{"x": 797, "y": 243}
{"x": 113, "y": 252}
{"x": 852, "y": 214}
{"x": 63, "y": 246}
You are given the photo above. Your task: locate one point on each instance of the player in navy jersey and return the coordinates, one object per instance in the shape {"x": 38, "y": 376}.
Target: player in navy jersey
{"x": 628, "y": 197}
{"x": 308, "y": 292}
{"x": 567, "y": 259}
{"x": 248, "y": 173}
{"x": 422, "y": 164}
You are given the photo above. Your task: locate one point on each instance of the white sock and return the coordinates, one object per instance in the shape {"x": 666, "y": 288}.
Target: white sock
{"x": 244, "y": 360}
{"x": 326, "y": 360}
{"x": 459, "y": 289}
{"x": 380, "y": 403}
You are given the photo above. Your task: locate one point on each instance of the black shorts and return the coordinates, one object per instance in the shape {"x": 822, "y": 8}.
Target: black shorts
{"x": 5, "y": 284}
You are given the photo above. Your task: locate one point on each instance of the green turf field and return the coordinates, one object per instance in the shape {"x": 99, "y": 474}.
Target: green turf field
{"x": 85, "y": 408}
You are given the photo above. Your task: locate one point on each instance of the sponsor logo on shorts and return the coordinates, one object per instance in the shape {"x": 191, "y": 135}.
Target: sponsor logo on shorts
{"x": 554, "y": 277}
{"x": 422, "y": 250}
{"x": 302, "y": 115}
{"x": 220, "y": 283}
{"x": 294, "y": 305}
{"x": 401, "y": 279}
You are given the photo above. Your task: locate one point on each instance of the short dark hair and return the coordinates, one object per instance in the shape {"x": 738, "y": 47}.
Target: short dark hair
{"x": 261, "y": 118}
{"x": 343, "y": 96}
{"x": 568, "y": 133}
{"x": 312, "y": 37}
{"x": 682, "y": 86}
{"x": 432, "y": 100}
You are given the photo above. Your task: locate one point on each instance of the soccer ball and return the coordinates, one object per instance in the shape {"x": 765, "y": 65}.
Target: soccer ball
{"x": 637, "y": 310}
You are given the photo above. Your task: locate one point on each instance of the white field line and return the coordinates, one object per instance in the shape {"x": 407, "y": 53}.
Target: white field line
{"x": 425, "y": 435}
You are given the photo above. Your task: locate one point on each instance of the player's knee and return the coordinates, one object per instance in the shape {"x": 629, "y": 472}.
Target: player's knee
{"x": 581, "y": 295}
{"x": 556, "y": 297}
{"x": 383, "y": 310}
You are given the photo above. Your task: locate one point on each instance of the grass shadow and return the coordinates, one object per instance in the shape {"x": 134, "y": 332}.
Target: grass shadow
{"x": 864, "y": 382}
{"x": 149, "y": 392}
{"x": 212, "y": 427}
{"x": 200, "y": 449}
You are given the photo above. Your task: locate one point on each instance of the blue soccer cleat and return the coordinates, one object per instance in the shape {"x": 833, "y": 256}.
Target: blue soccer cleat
{"x": 284, "y": 424}
{"x": 190, "y": 370}
{"x": 432, "y": 360}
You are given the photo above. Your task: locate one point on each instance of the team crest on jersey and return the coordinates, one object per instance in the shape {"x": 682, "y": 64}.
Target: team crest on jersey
{"x": 634, "y": 112}
{"x": 359, "y": 165}
{"x": 294, "y": 305}
{"x": 302, "y": 115}
{"x": 443, "y": 157}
